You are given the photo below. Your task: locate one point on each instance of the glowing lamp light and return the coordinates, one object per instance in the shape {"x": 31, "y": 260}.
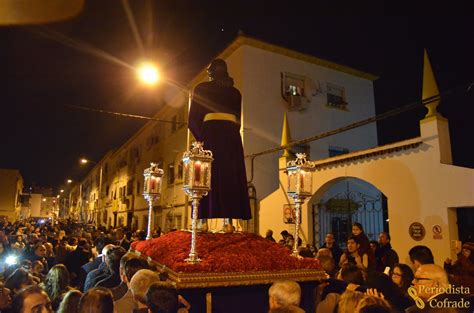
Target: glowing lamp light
{"x": 69, "y": 181}
{"x": 197, "y": 170}
{"x": 148, "y": 73}
{"x": 300, "y": 177}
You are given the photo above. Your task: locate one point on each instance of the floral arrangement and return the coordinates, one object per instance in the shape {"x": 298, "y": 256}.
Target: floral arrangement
{"x": 222, "y": 252}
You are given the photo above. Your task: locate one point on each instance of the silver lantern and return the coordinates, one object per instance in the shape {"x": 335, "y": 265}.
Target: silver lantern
{"x": 300, "y": 181}
{"x": 152, "y": 191}
{"x": 196, "y": 184}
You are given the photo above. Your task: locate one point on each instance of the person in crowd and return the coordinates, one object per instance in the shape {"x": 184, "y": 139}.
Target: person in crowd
{"x": 162, "y": 297}
{"x": 402, "y": 276}
{"x": 19, "y": 246}
{"x": 126, "y": 240}
{"x": 327, "y": 263}
{"x": 126, "y": 303}
{"x": 385, "y": 256}
{"x": 70, "y": 303}
{"x": 462, "y": 271}
{"x": 373, "y": 304}
{"x": 100, "y": 243}
{"x": 50, "y": 256}
{"x": 4, "y": 244}
{"x": 362, "y": 239}
{"x": 284, "y": 293}
{"x": 112, "y": 259}
{"x": 420, "y": 255}
{"x": 328, "y": 293}
{"x": 374, "y": 245}
{"x": 56, "y": 284}
{"x": 39, "y": 254}
{"x": 97, "y": 300}
{"x": 431, "y": 284}
{"x": 18, "y": 280}
{"x": 100, "y": 273}
{"x": 139, "y": 284}
{"x": 354, "y": 256}
{"x": 31, "y": 299}
{"x": 269, "y": 235}
{"x": 349, "y": 300}
{"x": 384, "y": 285}
{"x": 5, "y": 297}
{"x": 324, "y": 252}
{"x": 119, "y": 291}
{"x": 76, "y": 259}
{"x": 37, "y": 269}
{"x": 330, "y": 243}
{"x": 286, "y": 237}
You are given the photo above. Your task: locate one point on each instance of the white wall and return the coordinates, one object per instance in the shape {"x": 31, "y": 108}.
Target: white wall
{"x": 263, "y": 109}
{"x": 418, "y": 186}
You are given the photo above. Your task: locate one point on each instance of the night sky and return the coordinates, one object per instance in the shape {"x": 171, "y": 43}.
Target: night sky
{"x": 46, "y": 69}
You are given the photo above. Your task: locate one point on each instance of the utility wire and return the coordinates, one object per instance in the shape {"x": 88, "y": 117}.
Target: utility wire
{"x": 373, "y": 119}
{"x": 127, "y": 115}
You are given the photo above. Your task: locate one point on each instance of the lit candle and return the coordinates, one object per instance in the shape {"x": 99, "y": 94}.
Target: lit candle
{"x": 301, "y": 175}
{"x": 152, "y": 184}
{"x": 197, "y": 171}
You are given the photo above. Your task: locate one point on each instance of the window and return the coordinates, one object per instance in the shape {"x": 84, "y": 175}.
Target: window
{"x": 170, "y": 175}
{"x": 334, "y": 151}
{"x": 130, "y": 187}
{"x": 293, "y": 90}
{"x": 180, "y": 170}
{"x": 138, "y": 188}
{"x": 174, "y": 124}
{"x": 336, "y": 97}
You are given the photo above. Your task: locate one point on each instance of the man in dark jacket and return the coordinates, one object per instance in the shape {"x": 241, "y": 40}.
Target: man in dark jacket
{"x": 331, "y": 244}
{"x": 76, "y": 259}
{"x": 385, "y": 256}
{"x": 112, "y": 259}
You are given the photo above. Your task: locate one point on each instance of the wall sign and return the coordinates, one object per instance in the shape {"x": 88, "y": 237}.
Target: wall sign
{"x": 417, "y": 231}
{"x": 437, "y": 232}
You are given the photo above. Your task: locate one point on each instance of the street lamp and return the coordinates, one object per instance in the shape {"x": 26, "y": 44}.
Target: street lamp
{"x": 148, "y": 73}
{"x": 69, "y": 181}
{"x": 152, "y": 191}
{"x": 300, "y": 180}
{"x": 85, "y": 161}
{"x": 196, "y": 184}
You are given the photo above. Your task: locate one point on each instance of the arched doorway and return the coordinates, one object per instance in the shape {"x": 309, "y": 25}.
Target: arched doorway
{"x": 341, "y": 202}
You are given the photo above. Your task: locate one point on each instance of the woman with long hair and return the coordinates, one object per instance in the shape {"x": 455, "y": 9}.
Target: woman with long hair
{"x": 402, "y": 276}
{"x": 97, "y": 300}
{"x": 364, "y": 244}
{"x": 56, "y": 284}
{"x": 70, "y": 303}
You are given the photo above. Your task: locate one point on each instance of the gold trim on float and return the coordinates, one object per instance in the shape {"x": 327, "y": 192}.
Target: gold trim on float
{"x": 228, "y": 279}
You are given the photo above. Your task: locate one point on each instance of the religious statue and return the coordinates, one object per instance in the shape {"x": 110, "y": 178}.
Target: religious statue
{"x": 214, "y": 118}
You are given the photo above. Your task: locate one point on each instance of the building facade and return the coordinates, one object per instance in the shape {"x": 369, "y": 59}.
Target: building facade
{"x": 316, "y": 95}
{"x": 11, "y": 186}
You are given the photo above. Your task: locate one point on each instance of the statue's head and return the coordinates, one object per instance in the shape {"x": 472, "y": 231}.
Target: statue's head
{"x": 217, "y": 69}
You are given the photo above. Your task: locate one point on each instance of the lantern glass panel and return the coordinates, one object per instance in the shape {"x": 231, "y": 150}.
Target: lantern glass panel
{"x": 186, "y": 173}
{"x": 292, "y": 182}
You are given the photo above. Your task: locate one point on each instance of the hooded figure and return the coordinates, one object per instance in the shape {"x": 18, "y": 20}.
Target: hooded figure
{"x": 214, "y": 118}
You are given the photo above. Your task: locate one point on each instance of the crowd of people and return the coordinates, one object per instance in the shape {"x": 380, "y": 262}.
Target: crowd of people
{"x": 70, "y": 267}
{"x": 368, "y": 277}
